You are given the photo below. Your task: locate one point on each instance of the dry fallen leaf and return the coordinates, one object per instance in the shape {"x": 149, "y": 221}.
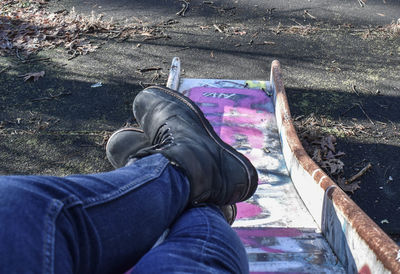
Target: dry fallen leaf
{"x": 33, "y": 75}
{"x": 334, "y": 166}
{"x": 317, "y": 156}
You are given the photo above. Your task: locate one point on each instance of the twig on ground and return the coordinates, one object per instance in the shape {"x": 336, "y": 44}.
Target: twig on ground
{"x": 218, "y": 28}
{"x": 350, "y": 108}
{"x": 359, "y": 174}
{"x": 157, "y": 37}
{"x": 382, "y": 123}
{"x": 309, "y": 14}
{"x": 156, "y": 76}
{"x": 74, "y": 55}
{"x": 296, "y": 22}
{"x": 361, "y": 108}
{"x": 266, "y": 43}
{"x": 4, "y": 69}
{"x": 181, "y": 49}
{"x": 355, "y": 90}
{"x": 362, "y": 3}
{"x": 366, "y": 115}
{"x": 185, "y": 6}
{"x": 141, "y": 71}
{"x": 33, "y": 75}
{"x": 167, "y": 23}
{"x": 51, "y": 97}
{"x": 144, "y": 85}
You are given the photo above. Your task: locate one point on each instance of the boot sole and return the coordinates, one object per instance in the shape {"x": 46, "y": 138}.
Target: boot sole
{"x": 209, "y": 129}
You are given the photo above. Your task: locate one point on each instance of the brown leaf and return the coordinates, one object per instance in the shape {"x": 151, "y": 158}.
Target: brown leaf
{"x": 317, "y": 156}
{"x": 328, "y": 142}
{"x": 33, "y": 75}
{"x": 334, "y": 166}
{"x": 330, "y": 155}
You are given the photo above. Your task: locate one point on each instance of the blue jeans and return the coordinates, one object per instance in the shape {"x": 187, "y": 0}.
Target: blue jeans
{"x": 108, "y": 222}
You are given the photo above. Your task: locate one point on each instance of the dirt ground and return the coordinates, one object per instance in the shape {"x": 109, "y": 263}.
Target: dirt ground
{"x": 341, "y": 66}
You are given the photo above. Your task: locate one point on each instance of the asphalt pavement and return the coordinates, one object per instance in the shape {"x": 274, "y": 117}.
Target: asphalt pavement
{"x": 334, "y": 54}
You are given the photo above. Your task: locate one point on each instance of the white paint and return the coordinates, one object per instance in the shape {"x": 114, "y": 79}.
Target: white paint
{"x": 174, "y": 74}
{"x": 322, "y": 178}
{"x": 315, "y": 172}
{"x": 275, "y": 266}
{"x": 287, "y": 244}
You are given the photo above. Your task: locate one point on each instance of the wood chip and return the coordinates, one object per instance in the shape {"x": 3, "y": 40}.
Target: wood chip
{"x": 143, "y": 70}
{"x": 218, "y": 28}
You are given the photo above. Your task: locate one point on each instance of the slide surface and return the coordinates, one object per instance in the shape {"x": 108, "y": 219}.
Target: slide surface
{"x": 278, "y": 232}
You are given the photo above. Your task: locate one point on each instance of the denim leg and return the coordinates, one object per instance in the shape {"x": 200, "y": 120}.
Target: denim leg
{"x": 200, "y": 241}
{"x": 101, "y": 223}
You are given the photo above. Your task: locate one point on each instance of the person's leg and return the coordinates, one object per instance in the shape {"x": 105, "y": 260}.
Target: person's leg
{"x": 88, "y": 223}
{"x": 200, "y": 241}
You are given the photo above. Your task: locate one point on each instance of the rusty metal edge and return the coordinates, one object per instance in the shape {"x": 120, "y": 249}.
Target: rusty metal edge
{"x": 382, "y": 247}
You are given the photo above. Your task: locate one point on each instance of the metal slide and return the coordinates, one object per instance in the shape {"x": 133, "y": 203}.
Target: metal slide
{"x": 277, "y": 230}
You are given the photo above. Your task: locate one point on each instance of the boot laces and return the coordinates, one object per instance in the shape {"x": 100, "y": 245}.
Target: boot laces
{"x": 163, "y": 137}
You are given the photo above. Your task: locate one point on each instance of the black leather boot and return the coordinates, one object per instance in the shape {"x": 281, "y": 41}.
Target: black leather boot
{"x": 123, "y": 144}
{"x": 177, "y": 129}
{"x": 126, "y": 142}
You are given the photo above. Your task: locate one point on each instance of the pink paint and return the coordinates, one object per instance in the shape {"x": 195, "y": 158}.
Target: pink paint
{"x": 234, "y": 112}
{"x": 247, "y": 210}
{"x": 365, "y": 270}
